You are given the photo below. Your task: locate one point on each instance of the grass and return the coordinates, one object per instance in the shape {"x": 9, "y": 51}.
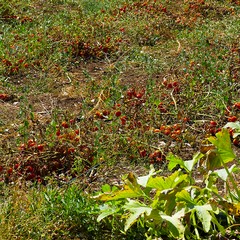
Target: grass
{"x": 107, "y": 84}
{"x": 53, "y": 212}
{"x": 50, "y": 212}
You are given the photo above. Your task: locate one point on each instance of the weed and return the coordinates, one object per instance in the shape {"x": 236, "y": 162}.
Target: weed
{"x": 175, "y": 206}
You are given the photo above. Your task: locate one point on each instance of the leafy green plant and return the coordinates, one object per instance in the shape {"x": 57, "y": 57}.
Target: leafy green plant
{"x": 177, "y": 206}
{"x": 29, "y": 214}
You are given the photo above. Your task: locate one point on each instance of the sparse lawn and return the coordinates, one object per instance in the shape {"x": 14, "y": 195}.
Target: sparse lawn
{"x": 91, "y": 90}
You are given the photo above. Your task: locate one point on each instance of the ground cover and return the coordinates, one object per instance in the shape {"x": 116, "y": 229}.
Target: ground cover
{"x": 93, "y": 90}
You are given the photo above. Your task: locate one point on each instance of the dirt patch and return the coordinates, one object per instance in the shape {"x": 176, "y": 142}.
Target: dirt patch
{"x": 8, "y": 113}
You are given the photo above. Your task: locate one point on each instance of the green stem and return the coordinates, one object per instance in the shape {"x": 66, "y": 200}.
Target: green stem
{"x": 195, "y": 226}
{"x": 234, "y": 225}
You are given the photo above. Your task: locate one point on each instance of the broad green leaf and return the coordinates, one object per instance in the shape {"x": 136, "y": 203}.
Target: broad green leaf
{"x": 222, "y": 173}
{"x": 156, "y": 200}
{"x": 167, "y": 183}
{"x": 213, "y": 159}
{"x": 137, "y": 209}
{"x": 107, "y": 211}
{"x": 106, "y": 188}
{"x": 131, "y": 182}
{"x": 223, "y": 144}
{"x": 131, "y": 178}
{"x": 170, "y": 201}
{"x": 121, "y": 194}
{"x": 190, "y": 163}
{"x": 187, "y": 165}
{"x": 204, "y": 216}
{"x": 174, "y": 161}
{"x": 114, "y": 188}
{"x": 157, "y": 183}
{"x": 144, "y": 179}
{"x": 155, "y": 215}
{"x": 175, "y": 226}
{"x": 184, "y": 196}
{"x": 131, "y": 220}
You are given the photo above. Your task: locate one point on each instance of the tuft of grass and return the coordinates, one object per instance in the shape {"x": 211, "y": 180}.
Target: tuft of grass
{"x": 51, "y": 212}
{"x": 44, "y": 213}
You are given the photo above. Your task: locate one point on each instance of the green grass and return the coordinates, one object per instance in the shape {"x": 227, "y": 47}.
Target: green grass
{"x": 53, "y": 212}
{"x": 106, "y": 69}
{"x": 46, "y": 213}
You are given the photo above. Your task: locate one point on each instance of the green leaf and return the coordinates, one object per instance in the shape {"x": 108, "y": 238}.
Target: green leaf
{"x": 223, "y": 174}
{"x": 175, "y": 226}
{"x": 131, "y": 189}
{"x": 184, "y": 196}
{"x": 169, "y": 201}
{"x": 187, "y": 165}
{"x": 137, "y": 210}
{"x": 106, "y": 211}
{"x": 174, "y": 161}
{"x": 115, "y": 188}
{"x": 223, "y": 144}
{"x": 121, "y": 194}
{"x": 106, "y": 188}
{"x": 131, "y": 182}
{"x": 167, "y": 183}
{"x": 155, "y": 215}
{"x": 144, "y": 179}
{"x": 190, "y": 164}
{"x": 213, "y": 159}
{"x": 204, "y": 216}
{"x": 210, "y": 182}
